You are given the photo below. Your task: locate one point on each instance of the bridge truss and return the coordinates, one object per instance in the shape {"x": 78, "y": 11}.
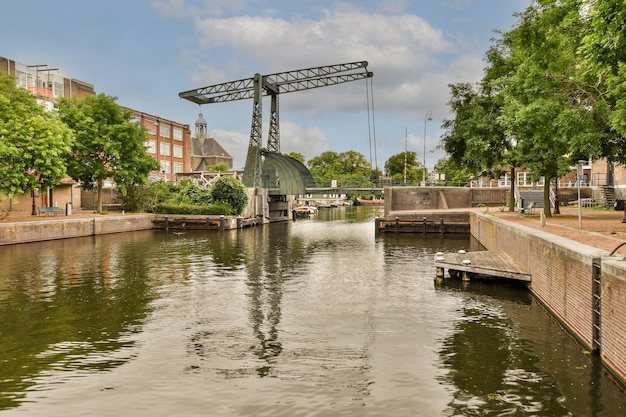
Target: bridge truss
{"x": 273, "y": 85}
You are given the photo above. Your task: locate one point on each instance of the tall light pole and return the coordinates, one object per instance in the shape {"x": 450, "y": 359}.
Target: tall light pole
{"x": 405, "y": 135}
{"x": 428, "y": 116}
{"x": 579, "y": 178}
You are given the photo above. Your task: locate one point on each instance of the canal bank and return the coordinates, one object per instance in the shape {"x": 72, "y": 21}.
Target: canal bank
{"x": 583, "y": 286}
{"x": 579, "y": 275}
{"x": 21, "y": 229}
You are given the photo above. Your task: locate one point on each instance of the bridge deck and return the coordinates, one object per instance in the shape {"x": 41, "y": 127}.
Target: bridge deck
{"x": 483, "y": 263}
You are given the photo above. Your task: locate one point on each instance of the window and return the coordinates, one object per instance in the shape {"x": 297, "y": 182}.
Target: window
{"x": 165, "y": 131}
{"x": 21, "y": 78}
{"x": 178, "y": 167}
{"x": 178, "y": 151}
{"x": 524, "y": 179}
{"x": 541, "y": 182}
{"x": 165, "y": 167}
{"x": 504, "y": 181}
{"x": 58, "y": 89}
{"x": 178, "y": 133}
{"x": 165, "y": 149}
{"x": 151, "y": 146}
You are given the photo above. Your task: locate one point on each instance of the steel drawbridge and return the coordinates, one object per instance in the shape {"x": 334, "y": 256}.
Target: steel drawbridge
{"x": 266, "y": 167}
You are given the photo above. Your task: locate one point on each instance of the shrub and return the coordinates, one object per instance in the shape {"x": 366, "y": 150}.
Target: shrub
{"x": 193, "y": 209}
{"x": 231, "y": 191}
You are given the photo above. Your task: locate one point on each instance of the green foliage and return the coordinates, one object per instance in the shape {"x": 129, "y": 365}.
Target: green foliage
{"x": 394, "y": 167}
{"x": 134, "y": 198}
{"x": 231, "y": 191}
{"x": 33, "y": 143}
{"x": 297, "y": 156}
{"x": 108, "y": 144}
{"x": 190, "y": 193}
{"x": 219, "y": 208}
{"x": 348, "y": 167}
{"x": 456, "y": 174}
{"x": 475, "y": 138}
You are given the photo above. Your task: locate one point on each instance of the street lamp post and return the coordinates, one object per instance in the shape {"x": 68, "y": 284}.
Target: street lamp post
{"x": 428, "y": 116}
{"x": 405, "y": 135}
{"x": 579, "y": 178}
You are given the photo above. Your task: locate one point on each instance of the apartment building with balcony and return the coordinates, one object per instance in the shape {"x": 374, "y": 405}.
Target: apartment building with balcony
{"x": 47, "y": 84}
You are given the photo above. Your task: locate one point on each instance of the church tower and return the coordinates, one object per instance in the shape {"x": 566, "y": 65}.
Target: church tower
{"x": 206, "y": 151}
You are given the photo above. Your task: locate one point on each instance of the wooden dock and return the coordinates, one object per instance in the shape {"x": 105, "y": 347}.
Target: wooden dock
{"x": 442, "y": 221}
{"x": 485, "y": 264}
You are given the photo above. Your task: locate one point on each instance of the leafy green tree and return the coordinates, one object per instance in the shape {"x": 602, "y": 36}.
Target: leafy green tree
{"x": 33, "y": 142}
{"x": 396, "y": 164}
{"x": 542, "y": 107}
{"x": 475, "y": 139}
{"x": 455, "y": 174}
{"x": 108, "y": 144}
{"x": 349, "y": 168}
{"x": 603, "y": 52}
{"x": 190, "y": 193}
{"x": 297, "y": 156}
{"x": 232, "y": 191}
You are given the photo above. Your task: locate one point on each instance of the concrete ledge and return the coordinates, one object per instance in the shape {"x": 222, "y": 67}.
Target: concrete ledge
{"x": 35, "y": 231}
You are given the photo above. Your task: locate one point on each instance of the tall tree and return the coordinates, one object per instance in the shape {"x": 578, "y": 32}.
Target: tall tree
{"x": 349, "y": 168}
{"x": 475, "y": 139}
{"x": 108, "y": 144}
{"x": 404, "y": 163}
{"x": 542, "y": 107}
{"x": 603, "y": 49}
{"x": 297, "y": 156}
{"x": 33, "y": 142}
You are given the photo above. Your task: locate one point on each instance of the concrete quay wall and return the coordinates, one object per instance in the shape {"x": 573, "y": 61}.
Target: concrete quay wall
{"x": 562, "y": 273}
{"x": 63, "y": 228}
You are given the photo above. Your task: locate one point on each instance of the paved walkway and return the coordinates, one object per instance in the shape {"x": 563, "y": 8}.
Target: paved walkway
{"x": 601, "y": 229}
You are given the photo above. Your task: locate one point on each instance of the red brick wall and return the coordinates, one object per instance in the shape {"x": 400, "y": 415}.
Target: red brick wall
{"x": 562, "y": 273}
{"x": 613, "y": 336}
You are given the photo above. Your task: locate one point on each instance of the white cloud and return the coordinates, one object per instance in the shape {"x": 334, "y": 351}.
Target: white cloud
{"x": 293, "y": 137}
{"x": 412, "y": 61}
{"x": 401, "y": 50}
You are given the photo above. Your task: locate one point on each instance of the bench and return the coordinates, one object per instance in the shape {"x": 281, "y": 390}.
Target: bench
{"x": 49, "y": 210}
{"x": 530, "y": 208}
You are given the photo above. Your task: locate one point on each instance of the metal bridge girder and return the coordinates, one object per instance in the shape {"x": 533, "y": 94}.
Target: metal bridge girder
{"x": 273, "y": 84}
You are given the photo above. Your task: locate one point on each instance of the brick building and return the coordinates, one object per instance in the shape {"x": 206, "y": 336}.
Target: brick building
{"x": 168, "y": 141}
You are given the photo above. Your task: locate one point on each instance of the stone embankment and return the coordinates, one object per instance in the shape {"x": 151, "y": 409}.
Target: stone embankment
{"x": 583, "y": 286}
{"x": 24, "y": 229}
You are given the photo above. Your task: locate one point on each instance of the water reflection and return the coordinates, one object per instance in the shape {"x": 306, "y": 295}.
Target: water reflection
{"x": 67, "y": 307}
{"x": 512, "y": 358}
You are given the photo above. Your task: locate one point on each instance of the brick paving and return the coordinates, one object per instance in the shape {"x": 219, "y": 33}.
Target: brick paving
{"x": 601, "y": 229}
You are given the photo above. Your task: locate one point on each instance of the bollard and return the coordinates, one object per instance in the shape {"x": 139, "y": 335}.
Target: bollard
{"x": 222, "y": 222}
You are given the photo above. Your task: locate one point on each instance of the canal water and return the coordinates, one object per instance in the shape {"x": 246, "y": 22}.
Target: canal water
{"x": 319, "y": 317}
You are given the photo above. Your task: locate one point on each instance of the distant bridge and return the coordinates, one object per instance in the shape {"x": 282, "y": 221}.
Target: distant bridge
{"x": 345, "y": 190}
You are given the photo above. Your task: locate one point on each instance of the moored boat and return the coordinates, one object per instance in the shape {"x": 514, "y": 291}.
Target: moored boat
{"x": 365, "y": 202}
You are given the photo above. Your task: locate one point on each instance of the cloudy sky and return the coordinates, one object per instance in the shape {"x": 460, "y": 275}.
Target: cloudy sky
{"x": 145, "y": 52}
